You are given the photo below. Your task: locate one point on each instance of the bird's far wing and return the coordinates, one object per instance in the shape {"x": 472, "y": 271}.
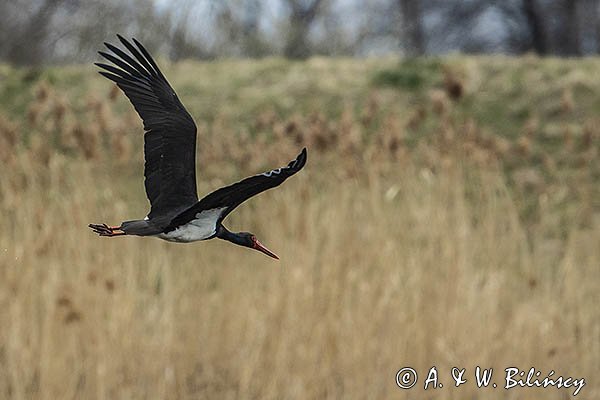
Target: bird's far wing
{"x": 170, "y": 138}
{"x": 229, "y": 197}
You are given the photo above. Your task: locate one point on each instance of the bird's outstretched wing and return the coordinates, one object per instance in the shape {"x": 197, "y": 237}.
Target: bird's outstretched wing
{"x": 170, "y": 138}
{"x": 229, "y": 197}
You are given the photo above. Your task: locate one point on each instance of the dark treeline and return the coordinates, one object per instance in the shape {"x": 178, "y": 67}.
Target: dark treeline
{"x": 40, "y": 31}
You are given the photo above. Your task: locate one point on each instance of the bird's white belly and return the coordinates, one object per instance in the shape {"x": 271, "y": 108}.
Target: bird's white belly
{"x": 202, "y": 227}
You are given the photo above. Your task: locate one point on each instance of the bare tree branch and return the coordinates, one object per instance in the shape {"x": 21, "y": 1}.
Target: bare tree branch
{"x": 301, "y": 18}
{"x": 413, "y": 37}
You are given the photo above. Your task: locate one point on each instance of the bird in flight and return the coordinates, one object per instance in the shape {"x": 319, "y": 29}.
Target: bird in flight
{"x": 176, "y": 214}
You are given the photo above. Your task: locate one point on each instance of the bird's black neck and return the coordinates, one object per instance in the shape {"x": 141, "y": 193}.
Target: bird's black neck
{"x": 225, "y": 234}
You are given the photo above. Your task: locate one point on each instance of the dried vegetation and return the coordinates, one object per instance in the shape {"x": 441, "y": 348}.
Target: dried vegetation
{"x": 448, "y": 216}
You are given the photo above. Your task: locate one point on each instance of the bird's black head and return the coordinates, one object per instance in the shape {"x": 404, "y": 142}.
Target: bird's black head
{"x": 253, "y": 243}
{"x": 246, "y": 239}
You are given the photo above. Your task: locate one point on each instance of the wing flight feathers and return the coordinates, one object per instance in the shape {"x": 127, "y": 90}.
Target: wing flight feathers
{"x": 170, "y": 138}
{"x": 229, "y": 197}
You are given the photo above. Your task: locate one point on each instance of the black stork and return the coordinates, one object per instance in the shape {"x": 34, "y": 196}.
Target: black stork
{"x": 176, "y": 214}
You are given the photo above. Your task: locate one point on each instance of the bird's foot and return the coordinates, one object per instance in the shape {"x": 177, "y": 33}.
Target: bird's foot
{"x": 106, "y": 230}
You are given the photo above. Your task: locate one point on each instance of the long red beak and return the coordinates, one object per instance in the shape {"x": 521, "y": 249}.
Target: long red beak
{"x": 260, "y": 247}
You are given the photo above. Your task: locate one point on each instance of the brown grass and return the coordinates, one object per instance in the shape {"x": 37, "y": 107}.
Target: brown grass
{"x": 455, "y": 248}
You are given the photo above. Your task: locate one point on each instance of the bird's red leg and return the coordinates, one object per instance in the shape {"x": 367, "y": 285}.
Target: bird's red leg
{"x": 106, "y": 230}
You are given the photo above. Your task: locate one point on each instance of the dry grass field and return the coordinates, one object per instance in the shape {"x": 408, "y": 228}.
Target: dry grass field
{"x": 449, "y": 215}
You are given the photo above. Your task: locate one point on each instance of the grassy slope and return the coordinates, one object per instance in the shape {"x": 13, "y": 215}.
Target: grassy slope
{"x": 548, "y": 98}
{"x": 501, "y": 92}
